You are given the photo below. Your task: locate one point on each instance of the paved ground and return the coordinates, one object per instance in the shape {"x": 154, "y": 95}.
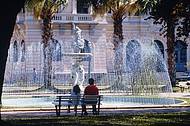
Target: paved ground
{"x": 135, "y": 111}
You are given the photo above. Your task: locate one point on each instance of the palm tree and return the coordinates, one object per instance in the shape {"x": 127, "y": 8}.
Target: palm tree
{"x": 45, "y": 10}
{"x": 170, "y": 14}
{"x": 120, "y": 9}
{"x": 162, "y": 11}
{"x": 163, "y": 14}
{"x": 182, "y": 10}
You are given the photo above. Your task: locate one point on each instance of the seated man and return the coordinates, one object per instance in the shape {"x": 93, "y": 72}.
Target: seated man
{"x": 91, "y": 89}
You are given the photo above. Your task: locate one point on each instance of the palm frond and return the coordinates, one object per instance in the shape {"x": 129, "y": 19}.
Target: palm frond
{"x": 145, "y": 6}
{"x": 36, "y": 6}
{"x": 29, "y": 4}
{"x": 44, "y": 6}
{"x": 56, "y": 5}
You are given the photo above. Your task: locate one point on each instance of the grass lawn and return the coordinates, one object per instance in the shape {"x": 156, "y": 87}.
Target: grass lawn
{"x": 168, "y": 119}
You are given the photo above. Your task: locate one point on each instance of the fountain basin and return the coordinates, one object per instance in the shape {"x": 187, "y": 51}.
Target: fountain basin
{"x": 108, "y": 101}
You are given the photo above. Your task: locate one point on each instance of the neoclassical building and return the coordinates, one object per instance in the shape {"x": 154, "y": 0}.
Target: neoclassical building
{"x": 25, "y": 58}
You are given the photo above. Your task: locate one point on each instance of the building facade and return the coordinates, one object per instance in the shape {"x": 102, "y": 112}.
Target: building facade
{"x": 25, "y": 60}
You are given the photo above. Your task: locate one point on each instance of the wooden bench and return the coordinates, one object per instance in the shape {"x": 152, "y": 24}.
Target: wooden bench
{"x": 66, "y": 100}
{"x": 90, "y": 100}
{"x": 74, "y": 100}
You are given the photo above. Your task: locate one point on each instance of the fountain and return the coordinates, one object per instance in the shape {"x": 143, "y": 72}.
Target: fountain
{"x": 78, "y": 56}
{"x": 145, "y": 79}
{"x": 77, "y": 68}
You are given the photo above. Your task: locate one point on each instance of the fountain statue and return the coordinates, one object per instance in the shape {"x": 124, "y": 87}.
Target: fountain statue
{"x": 78, "y": 44}
{"x": 77, "y": 73}
{"x": 78, "y": 56}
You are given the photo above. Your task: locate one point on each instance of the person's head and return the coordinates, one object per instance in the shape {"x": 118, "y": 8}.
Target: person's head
{"x": 91, "y": 81}
{"x": 76, "y": 89}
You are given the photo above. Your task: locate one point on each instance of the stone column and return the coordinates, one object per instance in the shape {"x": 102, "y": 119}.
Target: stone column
{"x": 74, "y": 6}
{"x": 90, "y": 10}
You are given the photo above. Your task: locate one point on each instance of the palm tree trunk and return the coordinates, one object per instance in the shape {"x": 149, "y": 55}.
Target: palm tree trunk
{"x": 118, "y": 51}
{"x": 7, "y": 23}
{"x": 171, "y": 52}
{"x": 47, "y": 65}
{"x": 47, "y": 49}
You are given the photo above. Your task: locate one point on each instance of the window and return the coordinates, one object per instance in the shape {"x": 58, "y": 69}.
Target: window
{"x": 180, "y": 56}
{"x": 87, "y": 46}
{"x": 159, "y": 57}
{"x": 133, "y": 56}
{"x": 87, "y": 49}
{"x": 23, "y": 51}
{"x": 160, "y": 46}
{"x": 56, "y": 50}
{"x": 15, "y": 51}
{"x": 82, "y": 8}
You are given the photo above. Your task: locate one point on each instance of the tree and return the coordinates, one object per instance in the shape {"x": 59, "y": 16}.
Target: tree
{"x": 174, "y": 17}
{"x": 182, "y": 10}
{"x": 120, "y": 10}
{"x": 44, "y": 10}
{"x": 7, "y": 23}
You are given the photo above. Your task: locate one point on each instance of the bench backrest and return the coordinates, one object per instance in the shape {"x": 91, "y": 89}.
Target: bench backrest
{"x": 76, "y": 99}
{"x": 92, "y": 99}
{"x": 72, "y": 99}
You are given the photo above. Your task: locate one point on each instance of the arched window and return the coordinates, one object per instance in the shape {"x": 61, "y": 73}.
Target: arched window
{"x": 160, "y": 46}
{"x": 159, "y": 57}
{"x": 87, "y": 46}
{"x": 23, "y": 51}
{"x": 56, "y": 50}
{"x": 133, "y": 56}
{"x": 15, "y": 51}
{"x": 87, "y": 49}
{"x": 180, "y": 56}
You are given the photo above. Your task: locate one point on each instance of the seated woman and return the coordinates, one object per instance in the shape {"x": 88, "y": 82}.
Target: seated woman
{"x": 76, "y": 97}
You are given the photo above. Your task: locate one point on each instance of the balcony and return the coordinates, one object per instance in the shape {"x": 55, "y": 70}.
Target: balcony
{"x": 73, "y": 18}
